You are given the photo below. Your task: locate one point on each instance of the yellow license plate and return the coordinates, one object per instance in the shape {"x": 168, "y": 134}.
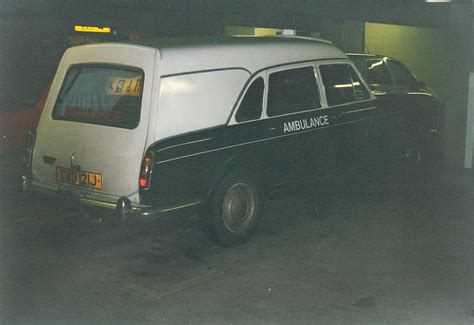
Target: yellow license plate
{"x": 80, "y": 178}
{"x": 124, "y": 86}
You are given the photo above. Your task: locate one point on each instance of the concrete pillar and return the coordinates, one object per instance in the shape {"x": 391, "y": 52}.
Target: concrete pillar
{"x": 460, "y": 63}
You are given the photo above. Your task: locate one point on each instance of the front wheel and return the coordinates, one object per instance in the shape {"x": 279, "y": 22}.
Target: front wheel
{"x": 236, "y": 205}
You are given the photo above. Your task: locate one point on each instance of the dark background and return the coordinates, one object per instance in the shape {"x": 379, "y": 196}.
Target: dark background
{"x": 34, "y": 34}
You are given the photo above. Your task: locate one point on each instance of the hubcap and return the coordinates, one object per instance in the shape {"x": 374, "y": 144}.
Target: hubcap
{"x": 239, "y": 207}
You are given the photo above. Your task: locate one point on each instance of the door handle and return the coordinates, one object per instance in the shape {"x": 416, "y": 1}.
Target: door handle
{"x": 49, "y": 160}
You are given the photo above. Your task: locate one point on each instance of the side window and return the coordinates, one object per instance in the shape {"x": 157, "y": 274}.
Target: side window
{"x": 360, "y": 91}
{"x": 251, "y": 105}
{"x": 401, "y": 75}
{"x": 292, "y": 91}
{"x": 342, "y": 84}
{"x": 377, "y": 73}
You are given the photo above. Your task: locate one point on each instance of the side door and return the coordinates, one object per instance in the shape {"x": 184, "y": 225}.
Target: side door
{"x": 421, "y": 106}
{"x": 415, "y": 106}
{"x": 391, "y": 126}
{"x": 297, "y": 126}
{"x": 351, "y": 102}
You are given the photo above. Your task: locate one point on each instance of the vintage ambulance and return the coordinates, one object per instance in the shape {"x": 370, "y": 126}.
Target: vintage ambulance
{"x": 213, "y": 123}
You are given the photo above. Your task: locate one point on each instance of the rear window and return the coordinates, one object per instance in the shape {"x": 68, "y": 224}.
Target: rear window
{"x": 104, "y": 95}
{"x": 377, "y": 73}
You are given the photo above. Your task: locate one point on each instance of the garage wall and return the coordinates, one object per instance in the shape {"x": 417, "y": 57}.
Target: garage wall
{"x": 461, "y": 63}
{"x": 468, "y": 157}
{"x": 347, "y": 35}
{"x": 422, "y": 50}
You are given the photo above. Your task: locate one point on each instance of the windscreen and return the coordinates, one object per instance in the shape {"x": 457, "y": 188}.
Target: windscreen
{"x": 104, "y": 95}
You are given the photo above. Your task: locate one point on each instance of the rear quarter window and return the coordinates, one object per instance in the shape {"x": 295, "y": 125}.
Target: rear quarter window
{"x": 252, "y": 104}
{"x": 103, "y": 95}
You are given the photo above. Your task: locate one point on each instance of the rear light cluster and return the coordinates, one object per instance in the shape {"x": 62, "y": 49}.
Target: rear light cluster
{"x": 145, "y": 171}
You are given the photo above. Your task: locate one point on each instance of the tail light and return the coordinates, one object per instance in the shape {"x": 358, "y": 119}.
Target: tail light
{"x": 145, "y": 171}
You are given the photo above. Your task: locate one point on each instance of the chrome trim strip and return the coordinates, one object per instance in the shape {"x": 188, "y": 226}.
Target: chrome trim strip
{"x": 419, "y": 93}
{"x": 204, "y": 71}
{"x": 95, "y": 203}
{"x": 180, "y": 207}
{"x": 323, "y": 107}
{"x": 360, "y": 110}
{"x": 183, "y": 144}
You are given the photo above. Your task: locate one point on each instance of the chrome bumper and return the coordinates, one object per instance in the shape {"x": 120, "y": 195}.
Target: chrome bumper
{"x": 123, "y": 207}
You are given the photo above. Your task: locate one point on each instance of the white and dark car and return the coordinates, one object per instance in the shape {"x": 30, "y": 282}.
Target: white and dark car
{"x": 217, "y": 124}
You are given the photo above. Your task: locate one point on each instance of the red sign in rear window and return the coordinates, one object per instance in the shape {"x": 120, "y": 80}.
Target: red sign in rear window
{"x": 101, "y": 95}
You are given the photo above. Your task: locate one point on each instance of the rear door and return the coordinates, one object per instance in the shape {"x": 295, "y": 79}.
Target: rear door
{"x": 92, "y": 133}
{"x": 351, "y": 102}
{"x": 298, "y": 127}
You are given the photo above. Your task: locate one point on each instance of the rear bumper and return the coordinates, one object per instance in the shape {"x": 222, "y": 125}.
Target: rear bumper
{"x": 122, "y": 207}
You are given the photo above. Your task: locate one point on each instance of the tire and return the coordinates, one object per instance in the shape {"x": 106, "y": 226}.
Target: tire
{"x": 235, "y": 207}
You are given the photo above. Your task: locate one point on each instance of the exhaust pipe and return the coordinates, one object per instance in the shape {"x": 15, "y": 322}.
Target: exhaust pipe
{"x": 124, "y": 208}
{"x": 25, "y": 184}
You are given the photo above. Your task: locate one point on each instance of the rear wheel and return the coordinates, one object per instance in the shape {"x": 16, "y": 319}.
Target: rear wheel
{"x": 235, "y": 205}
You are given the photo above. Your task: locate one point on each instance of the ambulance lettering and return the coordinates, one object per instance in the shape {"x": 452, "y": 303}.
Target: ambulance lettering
{"x": 305, "y": 124}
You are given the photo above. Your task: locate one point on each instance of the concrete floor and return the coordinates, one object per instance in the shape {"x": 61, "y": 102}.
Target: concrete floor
{"x": 382, "y": 250}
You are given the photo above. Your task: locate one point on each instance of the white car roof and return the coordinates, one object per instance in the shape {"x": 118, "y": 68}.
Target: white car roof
{"x": 250, "y": 53}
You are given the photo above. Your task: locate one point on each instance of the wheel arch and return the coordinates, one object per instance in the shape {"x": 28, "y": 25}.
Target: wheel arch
{"x": 250, "y": 166}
